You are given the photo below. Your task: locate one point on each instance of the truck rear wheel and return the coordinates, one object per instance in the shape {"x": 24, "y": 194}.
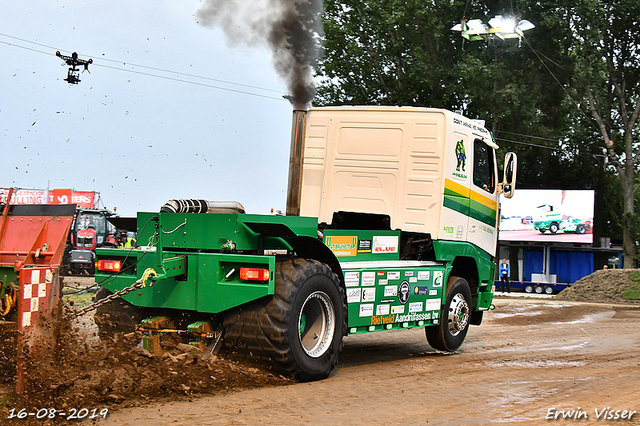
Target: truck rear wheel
{"x": 454, "y": 318}
{"x": 300, "y": 328}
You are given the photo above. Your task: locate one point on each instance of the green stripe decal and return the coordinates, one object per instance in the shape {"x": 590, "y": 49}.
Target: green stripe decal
{"x": 483, "y": 213}
{"x": 471, "y": 208}
{"x": 470, "y": 203}
{"x": 459, "y": 204}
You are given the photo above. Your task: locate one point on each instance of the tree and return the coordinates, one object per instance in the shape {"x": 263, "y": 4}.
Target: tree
{"x": 389, "y": 52}
{"x": 607, "y": 49}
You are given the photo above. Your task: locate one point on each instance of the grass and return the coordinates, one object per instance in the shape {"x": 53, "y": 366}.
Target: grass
{"x": 633, "y": 293}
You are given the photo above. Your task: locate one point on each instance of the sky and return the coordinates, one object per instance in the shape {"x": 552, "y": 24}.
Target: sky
{"x": 170, "y": 109}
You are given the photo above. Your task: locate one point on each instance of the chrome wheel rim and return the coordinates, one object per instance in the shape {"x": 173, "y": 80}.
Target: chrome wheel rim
{"x": 458, "y": 314}
{"x": 316, "y": 324}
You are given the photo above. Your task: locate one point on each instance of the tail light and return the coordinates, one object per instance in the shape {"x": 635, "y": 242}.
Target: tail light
{"x": 109, "y": 265}
{"x": 254, "y": 274}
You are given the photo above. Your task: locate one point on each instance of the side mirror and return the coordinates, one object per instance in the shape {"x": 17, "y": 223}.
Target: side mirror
{"x": 508, "y": 184}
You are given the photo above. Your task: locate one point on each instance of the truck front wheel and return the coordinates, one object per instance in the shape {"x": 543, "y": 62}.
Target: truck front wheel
{"x": 553, "y": 228}
{"x": 300, "y": 328}
{"x": 454, "y": 317}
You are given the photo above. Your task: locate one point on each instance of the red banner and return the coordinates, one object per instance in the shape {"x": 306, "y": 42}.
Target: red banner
{"x": 60, "y": 196}
{"x": 24, "y": 196}
{"x": 83, "y": 199}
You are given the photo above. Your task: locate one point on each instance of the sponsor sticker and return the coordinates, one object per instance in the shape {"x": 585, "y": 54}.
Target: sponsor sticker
{"x": 408, "y": 273}
{"x": 352, "y": 279}
{"x": 421, "y": 291}
{"x": 437, "y": 278}
{"x": 368, "y": 294}
{"x": 385, "y": 244}
{"x": 433, "y": 292}
{"x": 383, "y": 309}
{"x": 413, "y": 279}
{"x": 364, "y": 246}
{"x": 342, "y": 245}
{"x": 391, "y": 291}
{"x": 354, "y": 295}
{"x": 383, "y": 282}
{"x": 397, "y": 309}
{"x": 366, "y": 310}
{"x": 404, "y": 292}
{"x": 424, "y": 275}
{"x": 393, "y": 275}
{"x": 415, "y": 307}
{"x": 368, "y": 278}
{"x": 432, "y": 305}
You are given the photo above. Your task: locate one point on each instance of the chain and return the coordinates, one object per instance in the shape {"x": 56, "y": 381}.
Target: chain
{"x": 141, "y": 283}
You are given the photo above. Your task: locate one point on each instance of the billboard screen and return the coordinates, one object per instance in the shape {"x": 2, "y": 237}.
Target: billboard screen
{"x": 551, "y": 215}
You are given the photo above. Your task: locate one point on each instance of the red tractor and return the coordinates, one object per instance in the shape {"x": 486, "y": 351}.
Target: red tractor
{"x": 91, "y": 228}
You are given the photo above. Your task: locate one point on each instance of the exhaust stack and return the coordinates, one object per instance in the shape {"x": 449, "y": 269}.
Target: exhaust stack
{"x": 201, "y": 206}
{"x": 294, "y": 189}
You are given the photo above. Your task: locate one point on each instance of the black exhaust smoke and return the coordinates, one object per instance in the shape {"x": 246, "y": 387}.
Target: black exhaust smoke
{"x": 290, "y": 28}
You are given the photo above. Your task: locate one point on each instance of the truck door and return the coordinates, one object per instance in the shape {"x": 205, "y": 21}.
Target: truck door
{"x": 483, "y": 204}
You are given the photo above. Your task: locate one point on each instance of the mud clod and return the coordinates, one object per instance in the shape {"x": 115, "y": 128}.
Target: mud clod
{"x": 116, "y": 371}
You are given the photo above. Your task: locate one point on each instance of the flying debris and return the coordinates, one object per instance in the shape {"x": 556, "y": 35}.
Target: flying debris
{"x": 73, "y": 75}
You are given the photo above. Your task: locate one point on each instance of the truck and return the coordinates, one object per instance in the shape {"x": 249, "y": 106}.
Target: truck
{"x": 391, "y": 224}
{"x": 551, "y": 219}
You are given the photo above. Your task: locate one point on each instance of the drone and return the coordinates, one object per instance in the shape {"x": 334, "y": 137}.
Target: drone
{"x": 73, "y": 75}
{"x": 499, "y": 27}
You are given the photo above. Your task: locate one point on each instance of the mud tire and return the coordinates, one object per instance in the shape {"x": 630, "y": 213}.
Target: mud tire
{"x": 272, "y": 329}
{"x": 455, "y": 317}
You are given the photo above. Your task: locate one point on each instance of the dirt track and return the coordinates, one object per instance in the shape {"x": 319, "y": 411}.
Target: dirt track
{"x": 529, "y": 358}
